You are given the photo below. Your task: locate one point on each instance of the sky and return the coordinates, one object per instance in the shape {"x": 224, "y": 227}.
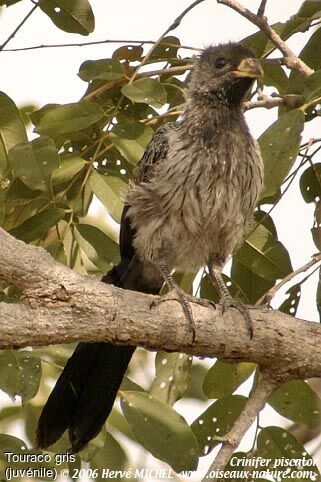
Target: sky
{"x": 50, "y": 76}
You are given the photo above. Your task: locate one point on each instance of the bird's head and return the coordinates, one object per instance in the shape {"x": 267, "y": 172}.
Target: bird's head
{"x": 224, "y": 74}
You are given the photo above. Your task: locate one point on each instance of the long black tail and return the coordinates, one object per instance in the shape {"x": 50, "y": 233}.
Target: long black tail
{"x": 86, "y": 390}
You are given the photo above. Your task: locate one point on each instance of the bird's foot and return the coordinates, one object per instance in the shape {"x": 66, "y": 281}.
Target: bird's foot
{"x": 177, "y": 294}
{"x": 229, "y": 302}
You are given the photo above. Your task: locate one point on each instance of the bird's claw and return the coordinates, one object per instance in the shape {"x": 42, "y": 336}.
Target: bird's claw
{"x": 228, "y": 302}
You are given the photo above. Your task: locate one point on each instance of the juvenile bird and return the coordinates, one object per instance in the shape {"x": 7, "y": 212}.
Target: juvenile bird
{"x": 190, "y": 201}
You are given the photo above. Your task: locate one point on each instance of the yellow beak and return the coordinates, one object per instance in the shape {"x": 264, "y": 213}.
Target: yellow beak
{"x": 249, "y": 68}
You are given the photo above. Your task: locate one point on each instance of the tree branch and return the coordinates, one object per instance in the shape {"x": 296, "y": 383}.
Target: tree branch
{"x": 18, "y": 27}
{"x": 267, "y": 383}
{"x": 61, "y": 306}
{"x": 290, "y": 59}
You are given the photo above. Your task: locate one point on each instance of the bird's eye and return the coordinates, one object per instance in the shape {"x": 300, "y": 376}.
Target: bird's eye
{"x": 220, "y": 63}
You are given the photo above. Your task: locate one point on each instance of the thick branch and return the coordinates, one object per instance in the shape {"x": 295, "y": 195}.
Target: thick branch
{"x": 61, "y": 306}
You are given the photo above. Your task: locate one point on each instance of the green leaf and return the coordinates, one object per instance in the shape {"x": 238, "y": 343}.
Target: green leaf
{"x": 111, "y": 455}
{"x": 290, "y": 305}
{"x": 99, "y": 248}
{"x": 147, "y": 90}
{"x": 131, "y": 53}
{"x": 132, "y": 149}
{"x": 2, "y": 206}
{"x": 102, "y": 69}
{"x": 12, "y": 129}
{"x": 312, "y": 89}
{"x": 279, "y": 146}
{"x": 38, "y": 225}
{"x": 281, "y": 447}
{"x": 216, "y": 421}
{"x": 33, "y": 162}
{"x": 128, "y": 127}
{"x": 165, "y": 51}
{"x": 224, "y": 378}
{"x": 310, "y": 183}
{"x": 172, "y": 376}
{"x": 108, "y": 189}
{"x": 20, "y": 373}
{"x": 264, "y": 255}
{"x": 161, "y": 430}
{"x": 68, "y": 167}
{"x": 56, "y": 120}
{"x": 246, "y": 285}
{"x": 275, "y": 75}
{"x": 8, "y": 443}
{"x": 297, "y": 401}
{"x": 74, "y": 16}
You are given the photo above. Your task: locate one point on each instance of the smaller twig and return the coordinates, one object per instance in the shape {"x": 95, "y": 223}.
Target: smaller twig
{"x": 261, "y": 8}
{"x": 18, "y": 27}
{"x": 270, "y": 102}
{"x": 271, "y": 293}
{"x": 267, "y": 383}
{"x": 290, "y": 59}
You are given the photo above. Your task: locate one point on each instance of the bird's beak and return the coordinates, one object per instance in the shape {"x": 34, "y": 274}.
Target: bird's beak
{"x": 249, "y": 68}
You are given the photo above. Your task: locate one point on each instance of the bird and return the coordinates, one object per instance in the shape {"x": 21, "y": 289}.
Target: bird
{"x": 188, "y": 206}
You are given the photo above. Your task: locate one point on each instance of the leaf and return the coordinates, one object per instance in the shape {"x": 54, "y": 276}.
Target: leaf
{"x": 275, "y": 75}
{"x": 224, "y": 378}
{"x": 297, "y": 401}
{"x": 310, "y": 183}
{"x": 108, "y": 189}
{"x": 281, "y": 447}
{"x": 68, "y": 167}
{"x": 74, "y": 16}
{"x": 172, "y": 376}
{"x": 131, "y": 53}
{"x": 161, "y": 430}
{"x": 61, "y": 119}
{"x": 290, "y": 305}
{"x": 99, "y": 248}
{"x": 128, "y": 127}
{"x": 102, "y": 69}
{"x": 12, "y": 129}
{"x": 2, "y": 206}
{"x": 279, "y": 146}
{"x": 310, "y": 54}
{"x": 312, "y": 89}
{"x": 132, "y": 150}
{"x": 216, "y": 421}
{"x": 147, "y": 90}
{"x": 165, "y": 51}
{"x": 33, "y": 162}
{"x": 111, "y": 455}
{"x": 8, "y": 443}
{"x": 38, "y": 225}
{"x": 246, "y": 285}
{"x": 20, "y": 374}
{"x": 264, "y": 255}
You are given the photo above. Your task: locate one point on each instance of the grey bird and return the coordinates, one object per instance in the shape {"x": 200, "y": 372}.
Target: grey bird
{"x": 189, "y": 204}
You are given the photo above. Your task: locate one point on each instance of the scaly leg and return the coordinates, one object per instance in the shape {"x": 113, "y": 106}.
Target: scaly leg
{"x": 176, "y": 293}
{"x": 226, "y": 300}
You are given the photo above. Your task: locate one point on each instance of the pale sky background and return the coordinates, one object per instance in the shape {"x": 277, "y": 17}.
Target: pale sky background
{"x": 50, "y": 76}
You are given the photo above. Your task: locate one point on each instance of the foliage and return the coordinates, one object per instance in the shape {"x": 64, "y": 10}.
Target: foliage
{"x": 90, "y": 148}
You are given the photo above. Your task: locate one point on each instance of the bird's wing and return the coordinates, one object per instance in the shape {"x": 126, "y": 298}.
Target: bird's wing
{"x": 155, "y": 152}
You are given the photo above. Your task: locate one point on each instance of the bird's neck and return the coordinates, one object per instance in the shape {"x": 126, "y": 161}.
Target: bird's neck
{"x": 208, "y": 121}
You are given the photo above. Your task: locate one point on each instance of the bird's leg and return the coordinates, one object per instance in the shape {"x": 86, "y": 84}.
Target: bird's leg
{"x": 176, "y": 293}
{"x": 226, "y": 299}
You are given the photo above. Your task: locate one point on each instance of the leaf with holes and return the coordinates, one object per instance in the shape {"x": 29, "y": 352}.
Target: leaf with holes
{"x": 224, "y": 378}
{"x": 131, "y": 53}
{"x": 310, "y": 183}
{"x": 60, "y": 119}
{"x": 216, "y": 421}
{"x": 166, "y": 49}
{"x": 20, "y": 374}
{"x": 161, "y": 430}
{"x": 149, "y": 91}
{"x": 264, "y": 255}
{"x": 279, "y": 146}
{"x": 286, "y": 454}
{"x": 132, "y": 149}
{"x": 172, "y": 376}
{"x": 290, "y": 305}
{"x": 102, "y": 69}
{"x": 99, "y": 248}
{"x": 297, "y": 401}
{"x": 74, "y": 16}
{"x": 37, "y": 226}
{"x": 33, "y": 162}
{"x": 109, "y": 190}
{"x": 12, "y": 130}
